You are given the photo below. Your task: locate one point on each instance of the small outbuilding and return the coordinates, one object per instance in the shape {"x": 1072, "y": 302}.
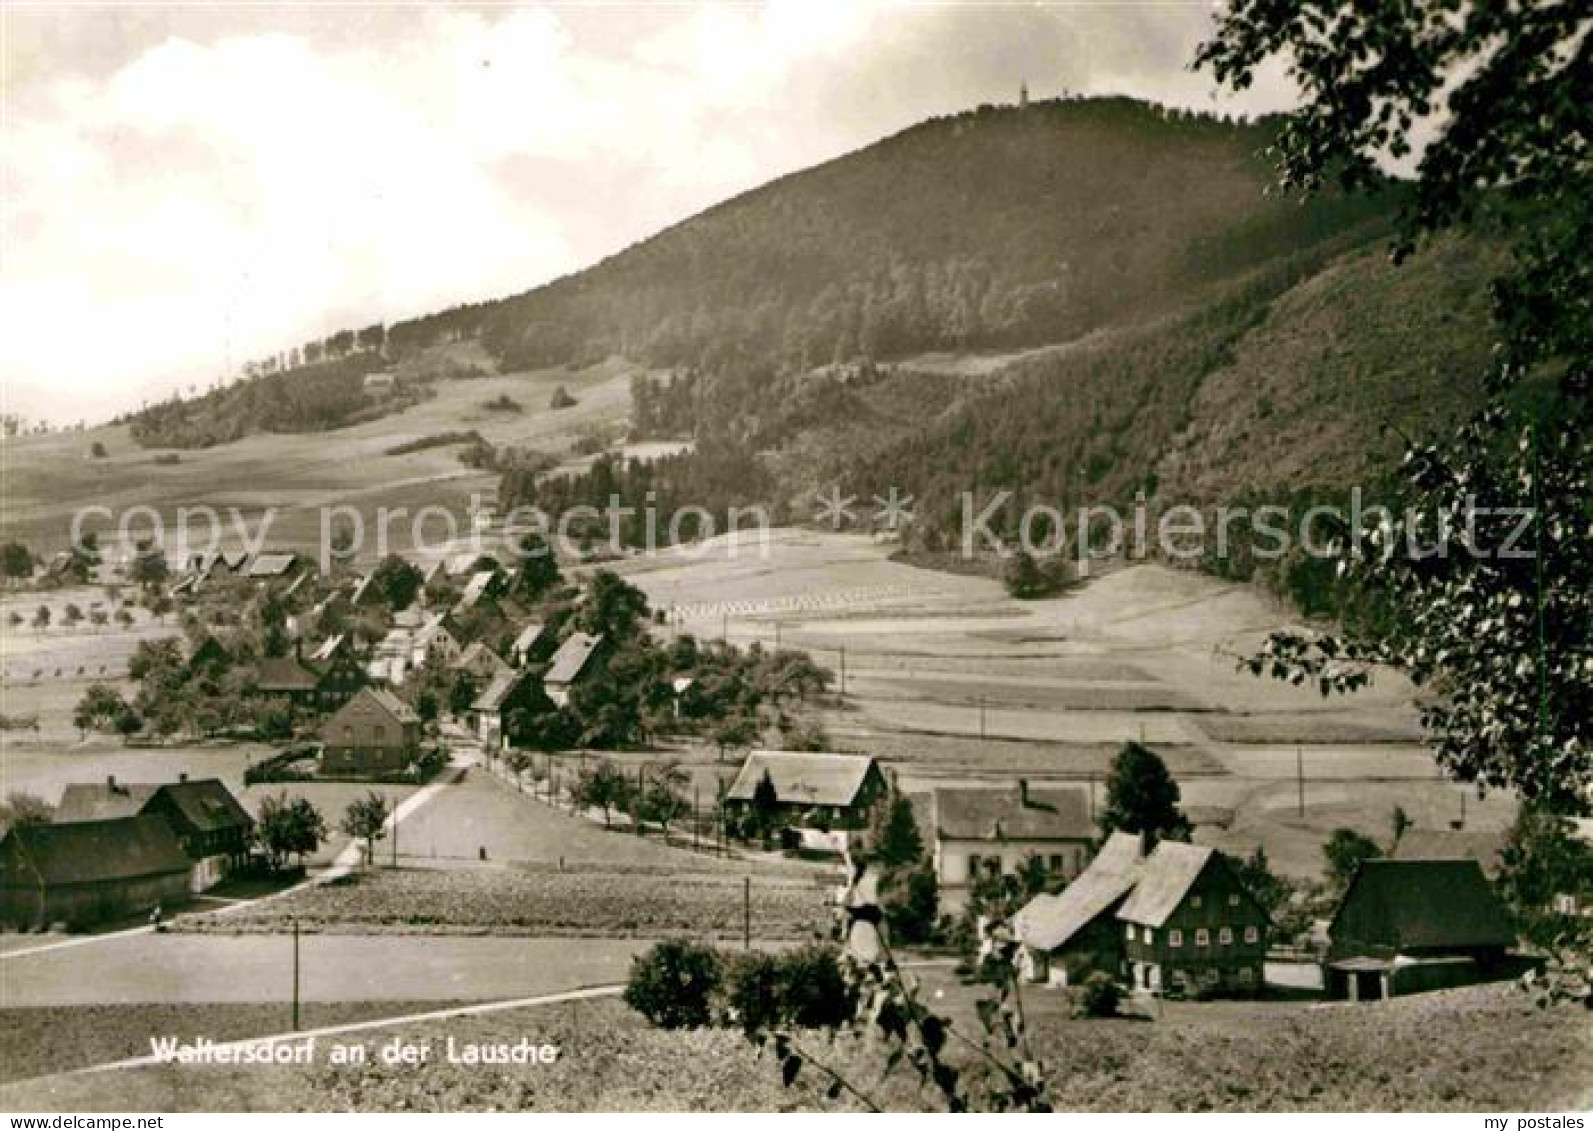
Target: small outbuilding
{"x": 84, "y": 873}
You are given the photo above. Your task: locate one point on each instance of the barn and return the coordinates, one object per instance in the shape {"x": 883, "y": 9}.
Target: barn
{"x": 87, "y": 872}
{"x": 1409, "y": 925}
{"x": 821, "y": 790}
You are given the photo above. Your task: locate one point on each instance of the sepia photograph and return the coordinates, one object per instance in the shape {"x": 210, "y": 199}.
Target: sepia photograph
{"x": 796, "y": 556}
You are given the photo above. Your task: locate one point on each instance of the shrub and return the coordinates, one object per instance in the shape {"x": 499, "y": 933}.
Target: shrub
{"x": 1098, "y": 997}
{"x": 803, "y": 988}
{"x": 561, "y": 399}
{"x": 673, "y": 984}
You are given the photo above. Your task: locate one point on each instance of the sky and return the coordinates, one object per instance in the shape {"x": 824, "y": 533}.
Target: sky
{"x": 188, "y": 187}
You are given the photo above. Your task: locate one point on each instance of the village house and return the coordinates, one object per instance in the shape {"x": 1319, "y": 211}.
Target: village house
{"x": 830, "y": 791}
{"x": 579, "y": 658}
{"x": 213, "y": 829}
{"x": 390, "y": 659}
{"x": 974, "y": 831}
{"x": 1191, "y": 926}
{"x": 508, "y": 692}
{"x": 1409, "y": 925}
{"x": 481, "y": 664}
{"x": 81, "y": 873}
{"x": 437, "y": 640}
{"x": 1177, "y": 920}
{"x": 313, "y": 686}
{"x": 374, "y": 734}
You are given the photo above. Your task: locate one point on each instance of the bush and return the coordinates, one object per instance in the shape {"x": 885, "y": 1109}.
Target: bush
{"x": 1098, "y": 997}
{"x": 674, "y": 984}
{"x": 561, "y": 399}
{"x": 803, "y": 988}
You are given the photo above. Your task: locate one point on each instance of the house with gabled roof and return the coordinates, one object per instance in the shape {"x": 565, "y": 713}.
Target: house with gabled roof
{"x": 510, "y": 691}
{"x": 481, "y": 664}
{"x": 578, "y": 658}
{"x": 276, "y": 566}
{"x": 1408, "y": 925}
{"x": 1175, "y": 920}
{"x": 212, "y": 827}
{"x": 374, "y": 734}
{"x": 82, "y": 873}
{"x": 974, "y": 831}
{"x": 819, "y": 789}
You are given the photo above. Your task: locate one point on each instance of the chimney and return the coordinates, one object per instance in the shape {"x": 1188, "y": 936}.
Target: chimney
{"x": 110, "y": 783}
{"x": 182, "y": 777}
{"x": 1147, "y": 841}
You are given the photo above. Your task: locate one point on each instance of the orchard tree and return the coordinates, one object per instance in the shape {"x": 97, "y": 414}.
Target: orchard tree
{"x": 16, "y": 560}
{"x": 288, "y": 828}
{"x": 602, "y": 786}
{"x": 365, "y": 820}
{"x": 1497, "y": 629}
{"x": 22, "y": 808}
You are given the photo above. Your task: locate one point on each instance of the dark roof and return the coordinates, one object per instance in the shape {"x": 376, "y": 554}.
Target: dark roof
{"x": 207, "y": 804}
{"x": 80, "y": 852}
{"x": 572, "y": 657}
{"x": 1012, "y": 813}
{"x": 1047, "y": 922}
{"x": 100, "y": 801}
{"x": 285, "y": 673}
{"x": 1428, "y": 903}
{"x": 803, "y": 778}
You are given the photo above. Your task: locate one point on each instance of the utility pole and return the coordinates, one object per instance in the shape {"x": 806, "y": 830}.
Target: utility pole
{"x": 1092, "y": 797}
{"x": 843, "y": 671}
{"x": 696, "y": 815}
{"x": 981, "y": 718}
{"x": 1299, "y": 773}
{"x": 746, "y": 913}
{"x": 395, "y": 835}
{"x": 295, "y": 974}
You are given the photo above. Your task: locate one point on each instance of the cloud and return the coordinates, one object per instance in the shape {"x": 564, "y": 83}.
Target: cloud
{"x": 191, "y": 188}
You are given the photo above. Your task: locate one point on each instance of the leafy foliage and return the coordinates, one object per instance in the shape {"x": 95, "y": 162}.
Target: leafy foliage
{"x": 674, "y": 984}
{"x": 1142, "y": 797}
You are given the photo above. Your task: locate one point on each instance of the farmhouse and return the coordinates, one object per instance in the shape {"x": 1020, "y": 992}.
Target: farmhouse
{"x": 1410, "y": 925}
{"x": 210, "y": 825}
{"x": 316, "y": 685}
{"x": 510, "y": 691}
{"x": 375, "y": 732}
{"x": 577, "y": 659}
{"x": 1190, "y": 924}
{"x": 984, "y": 831}
{"x": 438, "y": 639}
{"x": 86, "y": 872}
{"x": 825, "y": 790}
{"x": 1176, "y": 920}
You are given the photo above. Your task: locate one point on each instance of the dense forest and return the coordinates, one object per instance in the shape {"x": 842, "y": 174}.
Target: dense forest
{"x": 997, "y": 228}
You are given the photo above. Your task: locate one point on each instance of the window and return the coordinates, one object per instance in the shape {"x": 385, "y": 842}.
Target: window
{"x": 973, "y": 865}
{"x": 1180, "y": 979}
{"x": 1225, "y": 936}
{"x": 1194, "y": 901}
{"x": 1246, "y": 976}
{"x": 1056, "y": 862}
{"x": 1202, "y": 937}
{"x": 381, "y": 734}
{"x": 1233, "y": 899}
{"x": 1131, "y": 932}
{"x": 1149, "y": 934}
{"x": 1252, "y": 935}
{"x": 348, "y": 733}
{"x": 1175, "y": 937}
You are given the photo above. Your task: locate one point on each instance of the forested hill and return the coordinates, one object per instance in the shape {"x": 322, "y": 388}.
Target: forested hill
{"x": 991, "y": 229}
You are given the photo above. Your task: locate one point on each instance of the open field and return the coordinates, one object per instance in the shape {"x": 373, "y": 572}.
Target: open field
{"x": 592, "y": 902}
{"x": 50, "y": 476}
{"x": 1484, "y": 1048}
{"x": 950, "y": 680}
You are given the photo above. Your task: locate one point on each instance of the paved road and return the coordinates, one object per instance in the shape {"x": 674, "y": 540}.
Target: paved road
{"x": 259, "y": 968}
